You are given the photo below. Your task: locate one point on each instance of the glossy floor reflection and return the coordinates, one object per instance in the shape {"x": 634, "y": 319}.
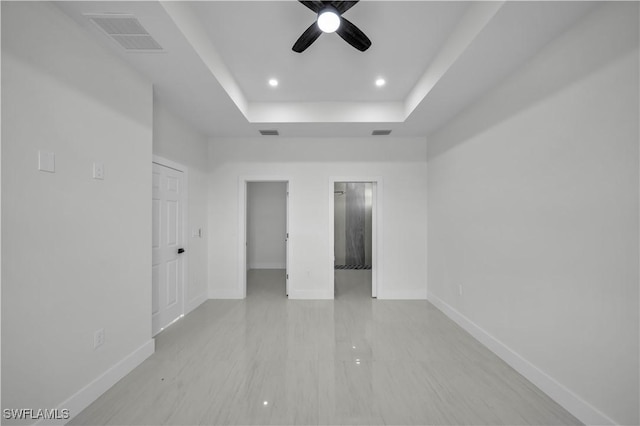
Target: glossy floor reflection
{"x": 354, "y": 360}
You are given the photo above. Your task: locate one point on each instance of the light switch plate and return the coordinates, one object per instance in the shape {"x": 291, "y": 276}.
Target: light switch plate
{"x": 98, "y": 171}
{"x": 46, "y": 161}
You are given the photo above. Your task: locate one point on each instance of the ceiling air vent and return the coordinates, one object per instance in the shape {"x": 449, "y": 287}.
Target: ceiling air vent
{"x": 127, "y": 31}
{"x": 381, "y": 132}
{"x": 269, "y": 132}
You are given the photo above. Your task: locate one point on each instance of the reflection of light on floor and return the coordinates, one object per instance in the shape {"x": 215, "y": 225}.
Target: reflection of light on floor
{"x": 171, "y": 323}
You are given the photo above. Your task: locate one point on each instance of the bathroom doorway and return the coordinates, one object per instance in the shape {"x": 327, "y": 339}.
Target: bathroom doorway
{"x": 354, "y": 217}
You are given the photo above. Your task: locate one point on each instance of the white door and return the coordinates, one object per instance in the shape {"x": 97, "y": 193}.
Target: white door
{"x": 167, "y": 247}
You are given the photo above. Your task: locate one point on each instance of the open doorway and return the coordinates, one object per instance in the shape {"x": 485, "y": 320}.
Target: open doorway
{"x": 353, "y": 215}
{"x": 266, "y": 239}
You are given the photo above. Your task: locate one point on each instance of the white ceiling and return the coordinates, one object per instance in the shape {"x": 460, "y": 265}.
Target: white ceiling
{"x": 437, "y": 58}
{"x": 330, "y": 70}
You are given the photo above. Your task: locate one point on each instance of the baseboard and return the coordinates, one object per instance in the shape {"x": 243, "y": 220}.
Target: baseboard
{"x": 85, "y": 396}
{"x": 194, "y": 303}
{"x": 267, "y": 266}
{"x": 571, "y": 402}
{"x": 310, "y": 295}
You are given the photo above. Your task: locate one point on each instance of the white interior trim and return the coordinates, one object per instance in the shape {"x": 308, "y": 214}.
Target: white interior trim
{"x": 376, "y": 229}
{"x": 169, "y": 163}
{"x": 185, "y": 223}
{"x": 195, "y": 302}
{"x": 242, "y": 227}
{"x": 88, "y": 394}
{"x": 267, "y": 266}
{"x": 287, "y": 243}
{"x": 571, "y": 402}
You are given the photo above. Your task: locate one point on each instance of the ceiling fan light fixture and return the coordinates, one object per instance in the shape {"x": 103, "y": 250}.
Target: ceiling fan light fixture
{"x": 328, "y": 20}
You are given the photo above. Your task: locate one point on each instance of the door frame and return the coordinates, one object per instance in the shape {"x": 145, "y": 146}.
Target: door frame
{"x": 243, "y": 181}
{"x": 376, "y": 228}
{"x": 161, "y": 161}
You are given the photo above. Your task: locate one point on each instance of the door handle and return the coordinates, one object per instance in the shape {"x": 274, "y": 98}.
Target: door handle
{"x": 180, "y": 250}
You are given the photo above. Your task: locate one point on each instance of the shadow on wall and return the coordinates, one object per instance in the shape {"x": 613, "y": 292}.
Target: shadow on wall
{"x": 599, "y": 46}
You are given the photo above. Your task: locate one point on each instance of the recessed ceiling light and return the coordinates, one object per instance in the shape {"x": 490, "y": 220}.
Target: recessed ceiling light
{"x": 273, "y": 82}
{"x": 380, "y": 82}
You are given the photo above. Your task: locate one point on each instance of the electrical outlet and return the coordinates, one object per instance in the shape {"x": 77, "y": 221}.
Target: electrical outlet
{"x": 98, "y": 338}
{"x": 46, "y": 161}
{"x": 98, "y": 171}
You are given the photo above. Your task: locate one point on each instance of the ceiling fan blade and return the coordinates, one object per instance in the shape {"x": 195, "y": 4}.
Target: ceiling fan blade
{"x": 352, "y": 35}
{"x": 313, "y": 5}
{"x": 343, "y": 6}
{"x": 310, "y": 35}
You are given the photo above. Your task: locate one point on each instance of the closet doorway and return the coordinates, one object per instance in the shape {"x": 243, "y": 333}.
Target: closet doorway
{"x": 264, "y": 236}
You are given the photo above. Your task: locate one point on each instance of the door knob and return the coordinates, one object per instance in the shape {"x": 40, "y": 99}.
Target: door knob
{"x": 180, "y": 250}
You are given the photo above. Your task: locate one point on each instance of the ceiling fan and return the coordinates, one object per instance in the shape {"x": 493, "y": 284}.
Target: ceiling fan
{"x": 330, "y": 20}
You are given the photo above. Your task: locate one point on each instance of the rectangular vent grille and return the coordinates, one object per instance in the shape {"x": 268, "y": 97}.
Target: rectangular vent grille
{"x": 119, "y": 25}
{"x": 127, "y": 31}
{"x": 269, "y": 132}
{"x": 381, "y": 132}
{"x": 141, "y": 42}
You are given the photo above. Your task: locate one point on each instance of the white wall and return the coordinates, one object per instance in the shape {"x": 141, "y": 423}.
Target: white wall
{"x": 176, "y": 140}
{"x": 309, "y": 164}
{"x": 533, "y": 210}
{"x": 76, "y": 250}
{"x": 266, "y": 225}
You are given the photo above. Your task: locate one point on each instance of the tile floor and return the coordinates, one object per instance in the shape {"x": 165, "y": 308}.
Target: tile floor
{"x": 354, "y": 360}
